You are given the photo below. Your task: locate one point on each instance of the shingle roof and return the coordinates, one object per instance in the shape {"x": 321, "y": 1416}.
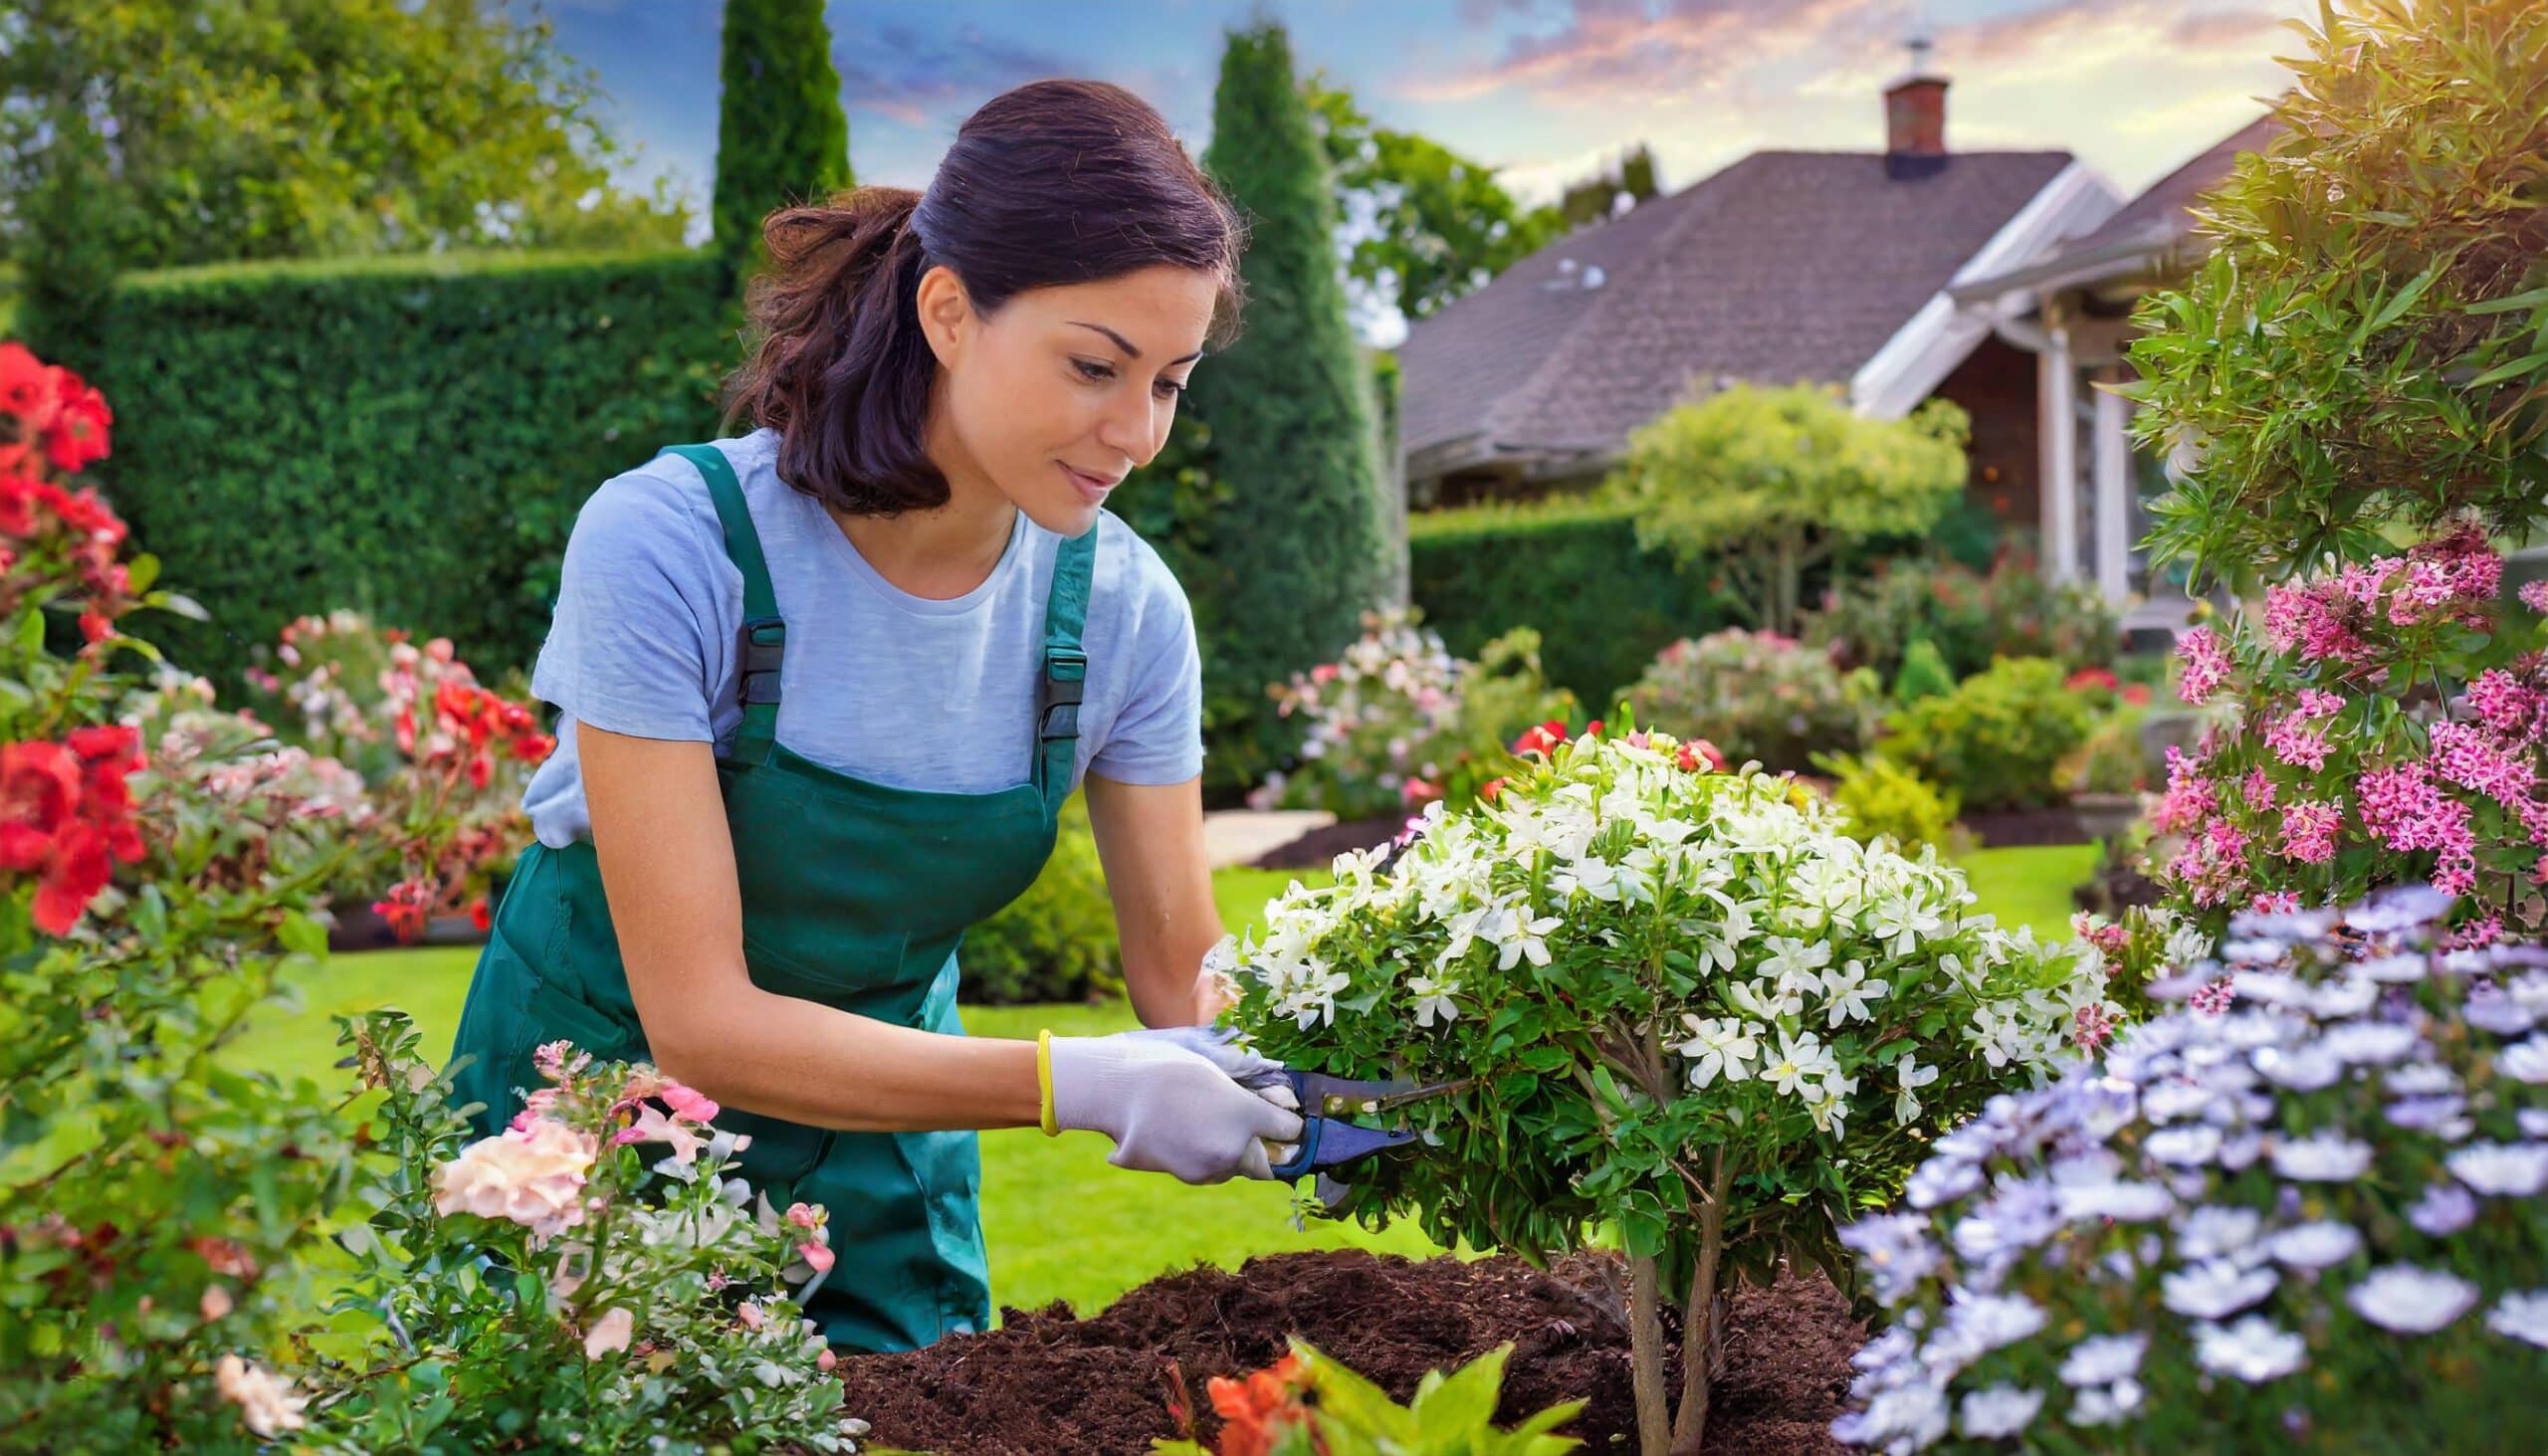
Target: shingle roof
{"x": 2160, "y": 215}
{"x": 1784, "y": 266}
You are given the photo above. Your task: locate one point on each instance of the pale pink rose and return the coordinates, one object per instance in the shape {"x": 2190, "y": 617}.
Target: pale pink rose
{"x": 819, "y": 1256}
{"x": 653, "y": 1127}
{"x": 749, "y": 1314}
{"x": 826, "y": 1359}
{"x": 532, "y": 1176}
{"x": 688, "y": 1103}
{"x": 215, "y": 1302}
{"x": 609, "y": 1332}
{"x": 804, "y": 1215}
{"x": 265, "y": 1400}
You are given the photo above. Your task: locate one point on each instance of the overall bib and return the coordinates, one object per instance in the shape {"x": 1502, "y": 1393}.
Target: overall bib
{"x": 855, "y": 895}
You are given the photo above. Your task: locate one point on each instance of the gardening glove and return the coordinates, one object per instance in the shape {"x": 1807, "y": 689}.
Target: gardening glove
{"x": 1246, "y": 1066}
{"x": 1169, "y": 1106}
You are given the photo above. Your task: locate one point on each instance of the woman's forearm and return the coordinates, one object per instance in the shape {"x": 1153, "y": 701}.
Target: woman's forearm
{"x": 788, "y": 1058}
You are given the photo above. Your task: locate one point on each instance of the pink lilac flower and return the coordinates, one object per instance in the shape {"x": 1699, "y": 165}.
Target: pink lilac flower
{"x": 2189, "y": 797}
{"x": 2309, "y": 830}
{"x": 2406, "y": 810}
{"x": 2319, "y": 703}
{"x": 2316, "y": 620}
{"x": 2477, "y": 935}
{"x": 2468, "y": 756}
{"x": 2213, "y": 998}
{"x": 2276, "y": 902}
{"x": 2504, "y": 705}
{"x": 2090, "y": 1027}
{"x": 2259, "y": 790}
{"x": 2534, "y": 595}
{"x": 2295, "y": 742}
{"x": 2206, "y": 664}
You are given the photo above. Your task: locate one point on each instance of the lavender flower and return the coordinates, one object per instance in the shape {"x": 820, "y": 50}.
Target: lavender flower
{"x": 2322, "y": 1158}
{"x": 2446, "y": 1208}
{"x": 2315, "y": 1246}
{"x": 2215, "y": 1288}
{"x": 2253, "y": 1349}
{"x": 2522, "y": 1317}
{"x": 2212, "y": 1233}
{"x": 1999, "y": 1412}
{"x": 2102, "y": 1359}
{"x": 2501, "y": 1170}
{"x": 2412, "y": 1300}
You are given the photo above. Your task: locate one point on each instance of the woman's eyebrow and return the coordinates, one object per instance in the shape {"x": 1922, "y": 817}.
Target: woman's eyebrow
{"x": 1125, "y": 344}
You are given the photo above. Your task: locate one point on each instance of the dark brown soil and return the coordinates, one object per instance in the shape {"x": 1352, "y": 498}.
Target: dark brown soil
{"x": 1319, "y": 848}
{"x": 2001, "y": 828}
{"x": 1047, "y": 1382}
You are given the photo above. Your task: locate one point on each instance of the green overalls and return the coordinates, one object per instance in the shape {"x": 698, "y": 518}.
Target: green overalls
{"x": 855, "y": 895}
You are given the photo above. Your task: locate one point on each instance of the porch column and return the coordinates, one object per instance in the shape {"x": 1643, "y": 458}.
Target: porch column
{"x": 2114, "y": 496}
{"x": 2058, "y": 425}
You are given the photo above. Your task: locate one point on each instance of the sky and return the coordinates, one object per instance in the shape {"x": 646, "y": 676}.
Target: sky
{"x": 1544, "y": 92}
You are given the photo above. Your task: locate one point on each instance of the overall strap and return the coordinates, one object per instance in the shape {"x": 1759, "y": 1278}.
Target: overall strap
{"x": 764, "y": 638}
{"x": 1059, "y": 692}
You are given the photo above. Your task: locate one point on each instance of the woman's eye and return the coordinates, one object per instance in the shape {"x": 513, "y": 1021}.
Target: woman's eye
{"x": 1094, "y": 371}
{"x": 1170, "y": 388}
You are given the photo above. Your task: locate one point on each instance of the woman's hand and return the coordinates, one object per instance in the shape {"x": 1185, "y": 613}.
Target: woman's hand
{"x": 1169, "y": 1107}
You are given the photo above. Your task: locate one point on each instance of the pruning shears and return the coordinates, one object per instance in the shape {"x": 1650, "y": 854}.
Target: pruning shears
{"x": 1327, "y": 1140}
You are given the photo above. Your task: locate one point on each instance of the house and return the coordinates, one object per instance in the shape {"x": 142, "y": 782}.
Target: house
{"x": 2071, "y": 310}
{"x": 1786, "y": 266}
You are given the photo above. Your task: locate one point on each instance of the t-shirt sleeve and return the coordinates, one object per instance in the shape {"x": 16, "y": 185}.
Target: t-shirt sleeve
{"x": 629, "y": 647}
{"x": 1157, "y": 736}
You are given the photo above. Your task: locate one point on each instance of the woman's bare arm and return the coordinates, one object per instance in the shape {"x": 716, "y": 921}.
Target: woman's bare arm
{"x": 1150, "y": 837}
{"x": 668, "y": 867}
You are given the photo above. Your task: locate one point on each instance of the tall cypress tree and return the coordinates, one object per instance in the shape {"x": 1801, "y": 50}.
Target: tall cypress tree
{"x": 1304, "y": 542}
{"x": 781, "y": 136}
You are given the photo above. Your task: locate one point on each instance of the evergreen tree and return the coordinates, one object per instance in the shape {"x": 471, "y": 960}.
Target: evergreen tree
{"x": 1307, "y": 539}
{"x": 782, "y": 136}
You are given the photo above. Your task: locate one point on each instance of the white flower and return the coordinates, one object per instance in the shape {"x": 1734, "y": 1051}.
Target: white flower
{"x": 2322, "y": 1158}
{"x": 2123, "y": 1201}
{"x": 267, "y": 1402}
{"x": 2315, "y": 1245}
{"x": 1591, "y": 875}
{"x": 1718, "y": 1048}
{"x": 2412, "y": 1300}
{"x": 2369, "y": 1042}
{"x": 2189, "y": 1144}
{"x": 1797, "y": 1060}
{"x": 2501, "y": 1170}
{"x": 2102, "y": 1359}
{"x": 2303, "y": 1068}
{"x": 2000, "y": 1411}
{"x": 2253, "y": 1349}
{"x": 1991, "y": 1321}
{"x": 2215, "y": 1288}
{"x": 1793, "y": 963}
{"x": 1433, "y": 998}
{"x": 1900, "y": 924}
{"x": 1848, "y": 991}
{"x": 2522, "y": 1317}
{"x": 1908, "y": 1076}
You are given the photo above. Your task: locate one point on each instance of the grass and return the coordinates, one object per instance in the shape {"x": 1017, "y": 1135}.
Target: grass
{"x": 1062, "y": 1224}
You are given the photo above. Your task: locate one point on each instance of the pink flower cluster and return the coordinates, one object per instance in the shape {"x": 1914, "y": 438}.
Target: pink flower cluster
{"x": 2207, "y": 663}
{"x": 2452, "y": 580}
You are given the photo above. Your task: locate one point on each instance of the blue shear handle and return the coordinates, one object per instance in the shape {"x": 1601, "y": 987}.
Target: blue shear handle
{"x": 1333, "y": 1142}
{"x": 1306, "y": 1158}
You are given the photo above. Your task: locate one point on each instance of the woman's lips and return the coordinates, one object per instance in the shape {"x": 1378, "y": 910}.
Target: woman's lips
{"x": 1091, "y": 489}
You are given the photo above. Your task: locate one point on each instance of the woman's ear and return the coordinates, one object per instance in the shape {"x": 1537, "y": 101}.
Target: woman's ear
{"x": 945, "y": 313}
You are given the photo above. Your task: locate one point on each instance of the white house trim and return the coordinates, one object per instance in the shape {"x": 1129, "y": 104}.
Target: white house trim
{"x": 1927, "y": 348}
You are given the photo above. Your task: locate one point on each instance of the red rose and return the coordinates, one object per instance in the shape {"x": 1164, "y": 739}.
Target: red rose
{"x": 29, "y": 387}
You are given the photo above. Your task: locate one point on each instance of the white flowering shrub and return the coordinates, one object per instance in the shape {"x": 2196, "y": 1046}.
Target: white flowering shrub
{"x": 1682, "y": 1003}
{"x": 2306, "y": 1210}
{"x": 585, "y": 1278}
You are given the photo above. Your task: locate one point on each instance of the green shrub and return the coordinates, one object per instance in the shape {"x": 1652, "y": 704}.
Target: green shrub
{"x": 1996, "y": 739}
{"x": 1570, "y": 568}
{"x": 782, "y": 136}
{"x": 2110, "y": 760}
{"x": 1971, "y": 617}
{"x": 1056, "y": 941}
{"x": 1757, "y": 695}
{"x": 1924, "y": 673}
{"x": 1884, "y": 800}
{"x": 409, "y": 438}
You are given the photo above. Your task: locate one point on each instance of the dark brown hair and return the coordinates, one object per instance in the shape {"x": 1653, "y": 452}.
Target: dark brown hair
{"x": 1053, "y": 182}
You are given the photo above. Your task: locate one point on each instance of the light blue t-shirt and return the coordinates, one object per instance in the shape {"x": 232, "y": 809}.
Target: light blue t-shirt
{"x": 895, "y": 689}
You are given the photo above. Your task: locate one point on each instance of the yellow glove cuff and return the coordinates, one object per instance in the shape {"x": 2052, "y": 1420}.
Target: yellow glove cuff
{"x": 1044, "y": 1080}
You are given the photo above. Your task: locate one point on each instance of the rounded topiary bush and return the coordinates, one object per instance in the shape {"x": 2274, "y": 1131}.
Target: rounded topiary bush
{"x": 2305, "y": 1209}
{"x": 1757, "y": 695}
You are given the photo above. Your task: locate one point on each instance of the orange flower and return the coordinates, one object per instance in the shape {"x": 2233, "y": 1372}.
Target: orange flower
{"x": 1259, "y": 1408}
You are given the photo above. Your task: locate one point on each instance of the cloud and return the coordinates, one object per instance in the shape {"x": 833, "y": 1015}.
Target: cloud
{"x": 1603, "y": 47}
{"x": 898, "y": 72}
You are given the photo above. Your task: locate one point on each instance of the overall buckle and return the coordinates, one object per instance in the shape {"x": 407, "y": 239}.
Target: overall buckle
{"x": 1057, "y": 697}
{"x": 765, "y": 640}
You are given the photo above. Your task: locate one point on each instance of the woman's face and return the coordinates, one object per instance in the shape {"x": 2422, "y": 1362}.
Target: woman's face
{"x": 1066, "y": 389}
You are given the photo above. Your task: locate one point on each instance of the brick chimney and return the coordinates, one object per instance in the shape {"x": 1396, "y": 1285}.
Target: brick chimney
{"x": 1915, "y": 111}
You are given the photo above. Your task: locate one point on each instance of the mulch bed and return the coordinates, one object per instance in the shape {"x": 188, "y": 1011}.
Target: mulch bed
{"x": 1319, "y": 848}
{"x": 1047, "y": 1382}
{"x": 2003, "y": 828}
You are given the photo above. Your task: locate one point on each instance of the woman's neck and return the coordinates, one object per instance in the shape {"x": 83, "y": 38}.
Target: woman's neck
{"x": 944, "y": 552}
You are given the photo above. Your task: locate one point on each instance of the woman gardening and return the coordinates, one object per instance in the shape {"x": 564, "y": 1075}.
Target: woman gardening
{"x": 823, "y": 689}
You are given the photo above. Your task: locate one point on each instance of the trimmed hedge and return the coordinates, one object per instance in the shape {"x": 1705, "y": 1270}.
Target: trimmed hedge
{"x": 409, "y": 437}
{"x": 1572, "y": 569}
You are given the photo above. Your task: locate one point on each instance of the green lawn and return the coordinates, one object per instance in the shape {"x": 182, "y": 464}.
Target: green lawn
{"x": 1061, "y": 1222}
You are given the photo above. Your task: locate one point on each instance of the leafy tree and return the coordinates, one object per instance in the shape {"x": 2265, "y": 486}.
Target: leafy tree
{"x": 2364, "y": 353}
{"x": 1763, "y": 484}
{"x": 1304, "y": 542}
{"x": 1444, "y": 226}
{"x": 1595, "y": 198}
{"x": 212, "y": 130}
{"x": 781, "y": 136}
